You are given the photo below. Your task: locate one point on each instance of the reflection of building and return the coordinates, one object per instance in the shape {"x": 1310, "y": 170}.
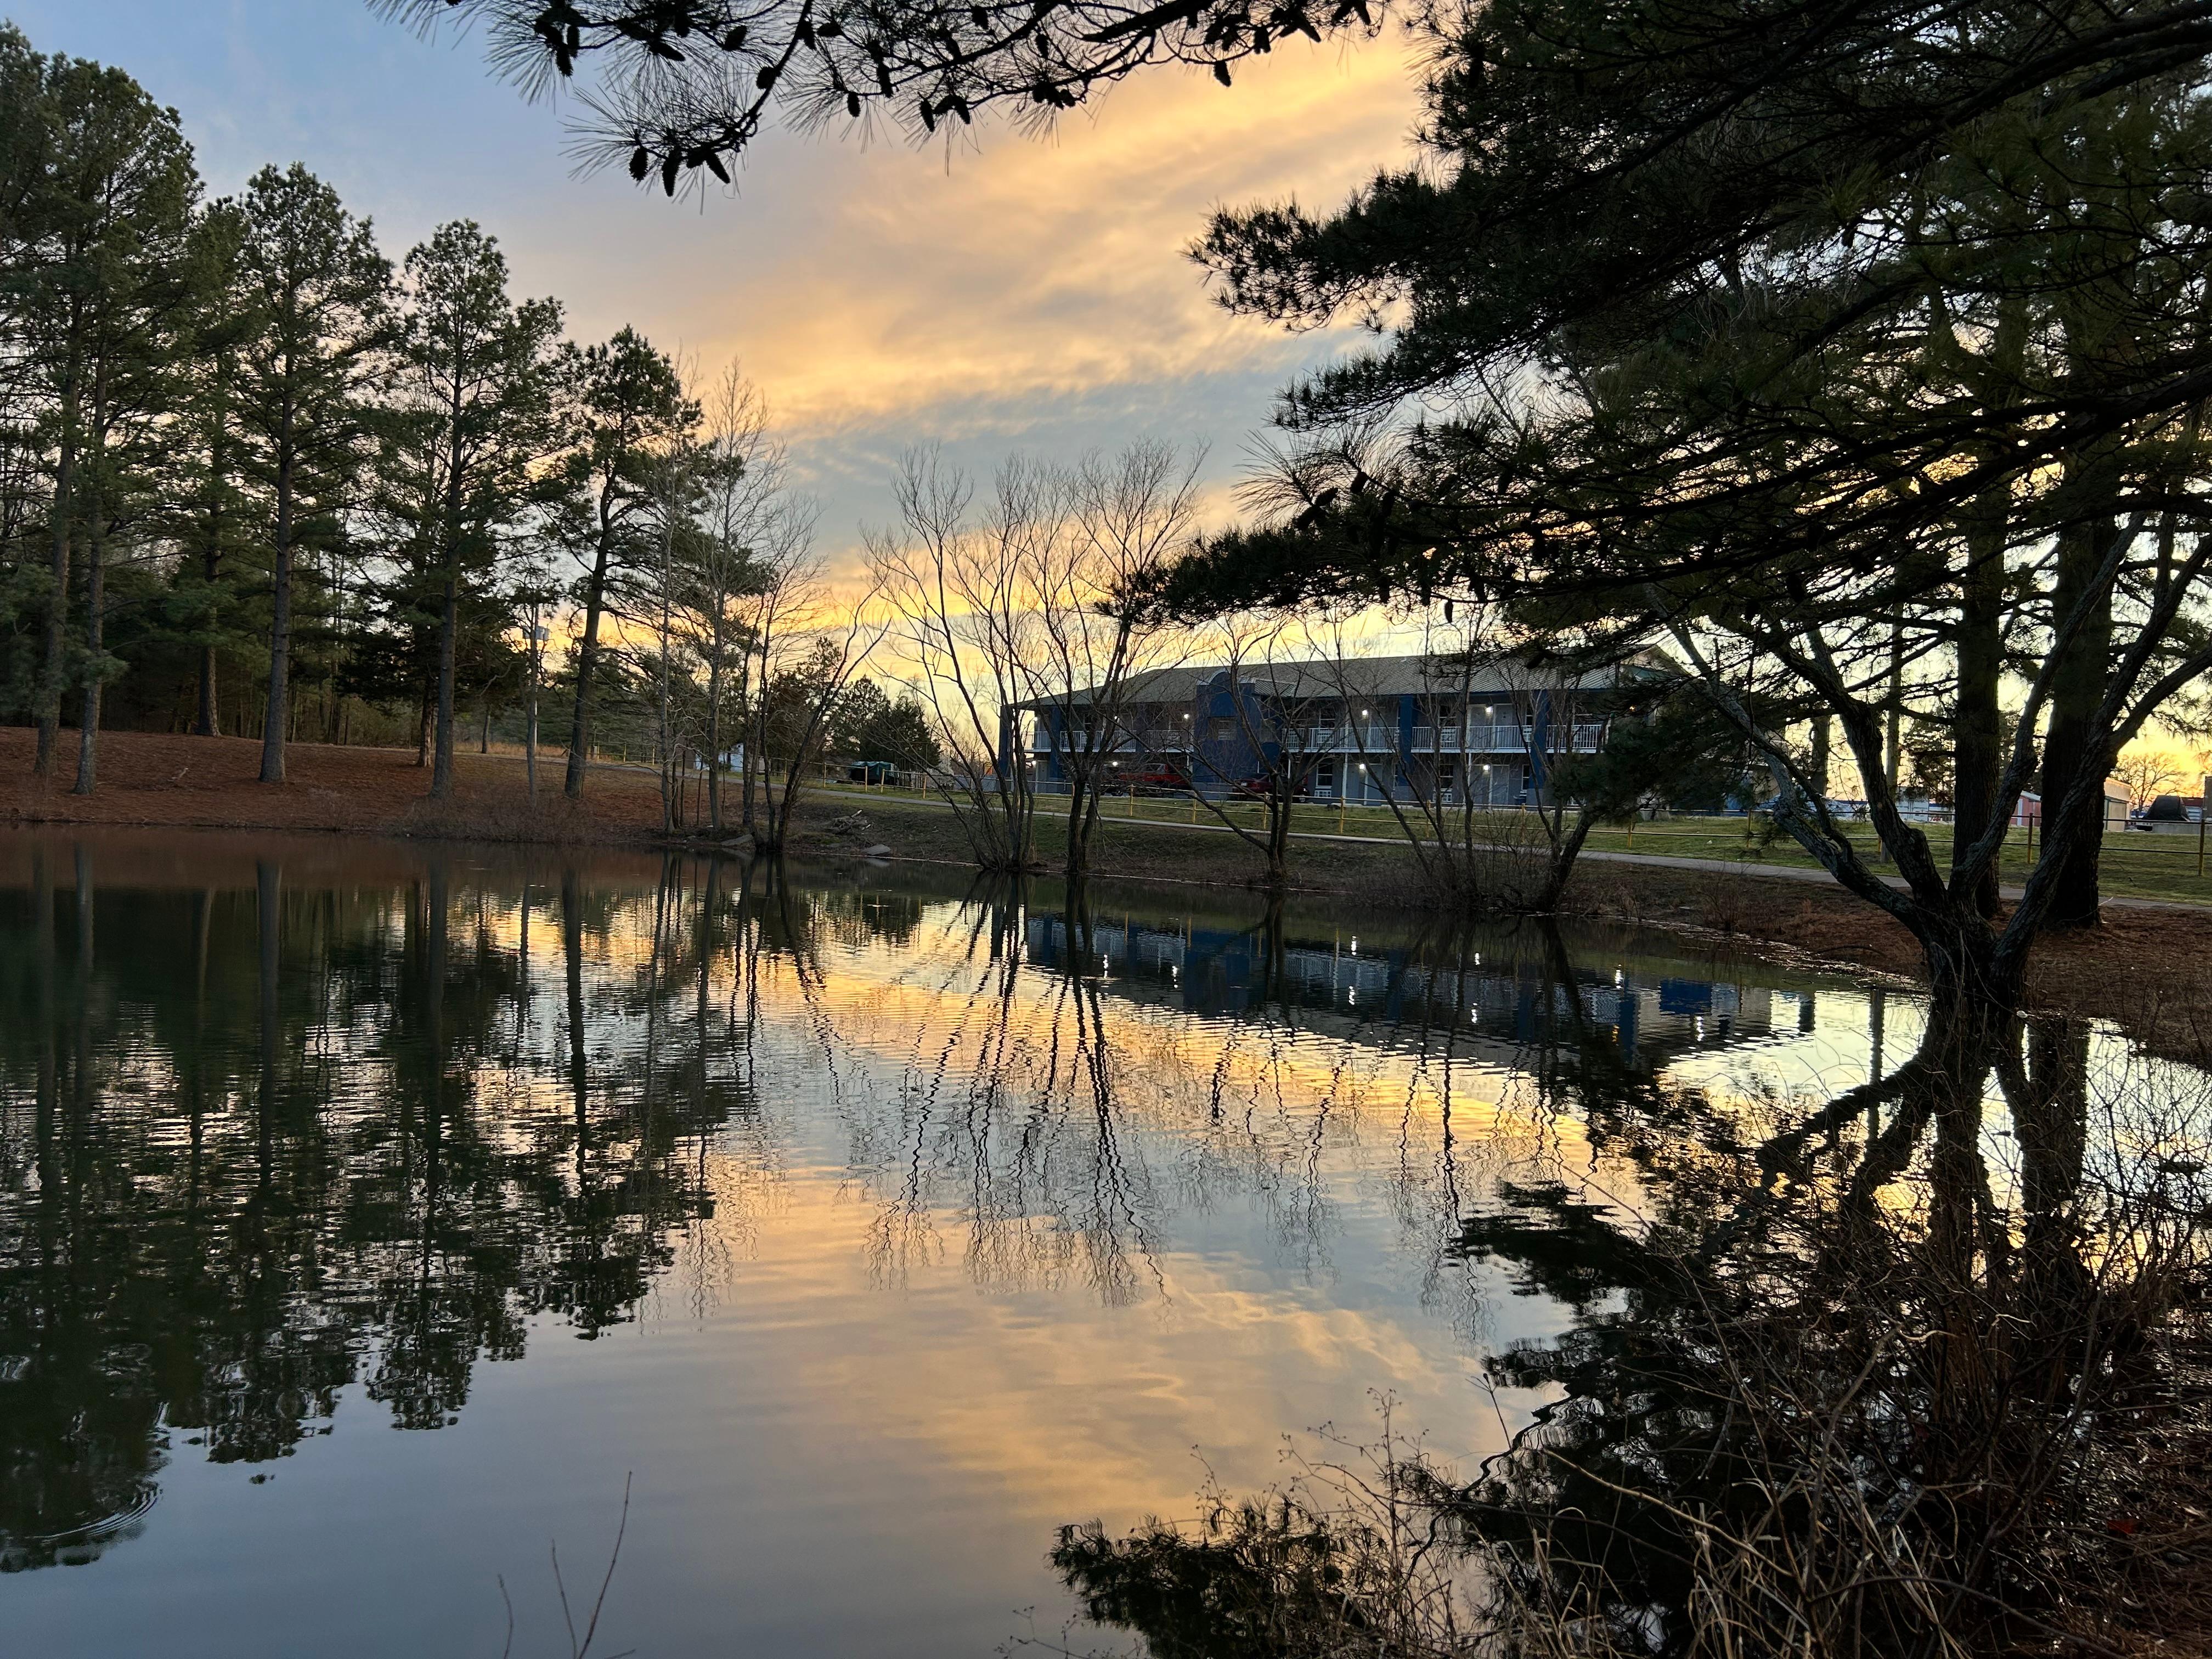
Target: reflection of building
{"x": 1650, "y": 1016}
{"x": 1351, "y": 730}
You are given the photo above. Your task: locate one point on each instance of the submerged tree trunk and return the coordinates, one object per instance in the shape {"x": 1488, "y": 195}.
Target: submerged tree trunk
{"x": 1082, "y": 796}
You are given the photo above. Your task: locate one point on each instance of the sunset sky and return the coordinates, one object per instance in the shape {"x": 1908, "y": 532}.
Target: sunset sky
{"x": 1014, "y": 293}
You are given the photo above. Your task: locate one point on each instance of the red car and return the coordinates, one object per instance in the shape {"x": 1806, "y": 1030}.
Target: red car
{"x": 1260, "y": 786}
{"x": 1153, "y": 778}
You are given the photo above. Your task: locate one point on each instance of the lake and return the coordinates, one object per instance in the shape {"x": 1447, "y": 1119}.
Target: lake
{"x": 373, "y": 1214}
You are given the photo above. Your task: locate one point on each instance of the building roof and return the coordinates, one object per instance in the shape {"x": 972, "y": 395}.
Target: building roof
{"x": 1322, "y": 678}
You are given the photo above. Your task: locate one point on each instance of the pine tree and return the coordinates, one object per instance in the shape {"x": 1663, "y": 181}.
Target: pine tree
{"x": 1747, "y": 352}
{"x": 316, "y": 292}
{"x": 210, "y": 521}
{"x": 624, "y": 402}
{"x": 474, "y": 384}
{"x": 99, "y": 308}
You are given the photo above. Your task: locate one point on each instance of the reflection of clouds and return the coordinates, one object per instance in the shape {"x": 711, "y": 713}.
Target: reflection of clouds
{"x": 1008, "y": 1385}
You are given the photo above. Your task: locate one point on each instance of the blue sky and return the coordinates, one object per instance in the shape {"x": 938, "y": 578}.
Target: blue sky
{"x": 1016, "y": 294}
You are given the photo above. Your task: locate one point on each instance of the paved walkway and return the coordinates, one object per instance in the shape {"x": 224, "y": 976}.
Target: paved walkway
{"x": 1654, "y": 860}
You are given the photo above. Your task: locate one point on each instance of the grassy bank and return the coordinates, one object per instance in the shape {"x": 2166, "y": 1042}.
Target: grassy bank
{"x": 2135, "y": 865}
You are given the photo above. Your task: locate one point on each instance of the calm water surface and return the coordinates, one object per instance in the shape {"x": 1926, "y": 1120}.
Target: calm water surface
{"x": 370, "y": 1214}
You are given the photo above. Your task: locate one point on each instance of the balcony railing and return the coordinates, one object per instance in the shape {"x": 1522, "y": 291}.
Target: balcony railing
{"x": 1371, "y": 740}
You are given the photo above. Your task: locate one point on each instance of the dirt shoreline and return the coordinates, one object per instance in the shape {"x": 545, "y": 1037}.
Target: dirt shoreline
{"x": 2144, "y": 968}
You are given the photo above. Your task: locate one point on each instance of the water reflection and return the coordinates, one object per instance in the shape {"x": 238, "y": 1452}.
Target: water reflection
{"x": 263, "y": 1144}
{"x": 1867, "y": 1375}
{"x": 295, "y": 1139}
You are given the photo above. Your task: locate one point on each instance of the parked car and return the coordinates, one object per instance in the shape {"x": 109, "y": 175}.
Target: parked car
{"x": 2168, "y": 814}
{"x": 1260, "y": 786}
{"x": 1153, "y": 778}
{"x": 872, "y": 772}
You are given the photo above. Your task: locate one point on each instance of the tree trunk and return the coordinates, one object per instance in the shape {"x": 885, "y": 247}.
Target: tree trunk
{"x": 1278, "y": 833}
{"x": 2077, "y": 690}
{"x": 1978, "y": 736}
{"x": 1081, "y": 792}
{"x": 96, "y": 599}
{"x": 56, "y": 614}
{"x": 529, "y": 720}
{"x": 206, "y": 723}
{"x": 587, "y": 656}
{"x": 714, "y": 730}
{"x": 274, "y": 723}
{"x": 54, "y": 628}
{"x": 441, "y": 754}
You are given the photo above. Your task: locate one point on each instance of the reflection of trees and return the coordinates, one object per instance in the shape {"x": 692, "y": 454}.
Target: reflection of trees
{"x": 1010, "y": 1121}
{"x": 1833, "y": 1386}
{"x": 1848, "y": 1387}
{"x": 256, "y": 1146}
{"x": 1059, "y": 1107}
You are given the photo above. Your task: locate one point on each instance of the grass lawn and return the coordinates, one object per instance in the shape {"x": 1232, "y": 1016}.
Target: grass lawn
{"x": 2134, "y": 866}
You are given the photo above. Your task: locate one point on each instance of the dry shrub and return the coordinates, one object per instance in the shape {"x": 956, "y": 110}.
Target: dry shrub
{"x": 1725, "y": 903}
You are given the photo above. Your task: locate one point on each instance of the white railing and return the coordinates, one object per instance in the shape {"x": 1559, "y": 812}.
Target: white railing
{"x": 1372, "y": 739}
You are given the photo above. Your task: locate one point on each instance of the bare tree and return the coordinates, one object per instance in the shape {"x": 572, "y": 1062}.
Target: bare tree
{"x": 741, "y": 510}
{"x": 1114, "y": 523}
{"x": 1261, "y": 753}
{"x": 964, "y": 631}
{"x": 803, "y": 659}
{"x": 1477, "y": 843}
